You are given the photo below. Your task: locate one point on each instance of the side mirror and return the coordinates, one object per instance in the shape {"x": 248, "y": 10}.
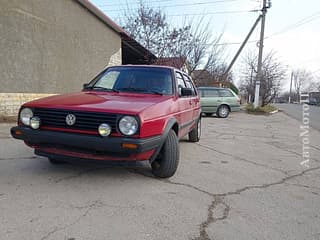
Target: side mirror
{"x": 186, "y": 92}
{"x": 85, "y": 85}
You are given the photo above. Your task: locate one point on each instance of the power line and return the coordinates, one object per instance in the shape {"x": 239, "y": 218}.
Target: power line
{"x": 301, "y": 22}
{"x": 175, "y": 5}
{"x": 211, "y": 13}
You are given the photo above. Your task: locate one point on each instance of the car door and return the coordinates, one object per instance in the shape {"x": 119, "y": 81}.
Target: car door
{"x": 229, "y": 98}
{"x": 195, "y": 102}
{"x": 210, "y": 100}
{"x": 185, "y": 114}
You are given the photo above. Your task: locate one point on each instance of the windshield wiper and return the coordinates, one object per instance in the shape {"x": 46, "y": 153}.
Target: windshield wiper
{"x": 102, "y": 88}
{"x": 140, "y": 90}
{"x": 128, "y": 89}
{"x": 155, "y": 92}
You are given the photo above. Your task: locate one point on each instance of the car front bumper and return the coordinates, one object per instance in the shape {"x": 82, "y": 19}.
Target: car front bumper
{"x": 55, "y": 144}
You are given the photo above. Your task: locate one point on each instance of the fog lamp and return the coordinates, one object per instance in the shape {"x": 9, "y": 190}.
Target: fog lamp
{"x": 35, "y": 122}
{"x": 104, "y": 129}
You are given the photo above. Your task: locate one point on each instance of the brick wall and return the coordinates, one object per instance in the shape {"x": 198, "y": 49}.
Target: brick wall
{"x": 11, "y": 102}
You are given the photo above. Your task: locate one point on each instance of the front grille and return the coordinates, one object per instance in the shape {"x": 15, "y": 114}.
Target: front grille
{"x": 88, "y": 121}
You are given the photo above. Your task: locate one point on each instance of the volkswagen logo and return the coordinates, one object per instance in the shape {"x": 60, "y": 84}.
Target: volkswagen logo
{"x": 70, "y": 119}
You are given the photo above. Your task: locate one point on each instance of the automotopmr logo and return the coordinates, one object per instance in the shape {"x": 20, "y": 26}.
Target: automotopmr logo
{"x": 305, "y": 131}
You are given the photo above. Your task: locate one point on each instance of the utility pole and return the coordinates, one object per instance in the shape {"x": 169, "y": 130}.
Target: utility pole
{"x": 290, "y": 87}
{"x": 259, "y": 74}
{"x": 241, "y": 47}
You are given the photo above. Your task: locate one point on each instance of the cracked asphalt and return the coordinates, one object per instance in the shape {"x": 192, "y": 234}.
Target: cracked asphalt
{"x": 243, "y": 180}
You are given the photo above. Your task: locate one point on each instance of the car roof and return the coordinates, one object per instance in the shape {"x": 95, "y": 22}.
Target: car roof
{"x": 146, "y": 66}
{"x": 211, "y": 88}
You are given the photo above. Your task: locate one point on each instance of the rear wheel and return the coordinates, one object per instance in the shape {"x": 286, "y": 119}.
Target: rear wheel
{"x": 166, "y": 164}
{"x": 195, "y": 133}
{"x": 223, "y": 111}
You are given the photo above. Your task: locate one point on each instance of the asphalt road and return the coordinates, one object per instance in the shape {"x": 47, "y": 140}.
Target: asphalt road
{"x": 296, "y": 111}
{"x": 243, "y": 180}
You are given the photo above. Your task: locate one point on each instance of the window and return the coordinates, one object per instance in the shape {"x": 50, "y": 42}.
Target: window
{"x": 108, "y": 80}
{"x": 189, "y": 84}
{"x": 225, "y": 93}
{"x": 181, "y": 83}
{"x": 210, "y": 93}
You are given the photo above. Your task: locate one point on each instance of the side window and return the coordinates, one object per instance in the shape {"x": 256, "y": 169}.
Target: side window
{"x": 190, "y": 84}
{"x": 225, "y": 93}
{"x": 210, "y": 93}
{"x": 180, "y": 82}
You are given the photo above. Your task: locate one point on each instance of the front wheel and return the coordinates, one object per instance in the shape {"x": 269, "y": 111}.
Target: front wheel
{"x": 55, "y": 161}
{"x": 195, "y": 133}
{"x": 166, "y": 164}
{"x": 223, "y": 111}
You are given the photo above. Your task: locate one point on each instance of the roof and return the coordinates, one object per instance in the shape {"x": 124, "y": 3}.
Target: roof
{"x": 176, "y": 62}
{"x": 210, "y": 88}
{"x": 203, "y": 74}
{"x": 101, "y": 16}
{"x": 127, "y": 40}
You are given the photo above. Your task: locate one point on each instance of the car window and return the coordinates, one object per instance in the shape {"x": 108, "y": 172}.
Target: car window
{"x": 189, "y": 84}
{"x": 210, "y": 93}
{"x": 180, "y": 82}
{"x": 225, "y": 93}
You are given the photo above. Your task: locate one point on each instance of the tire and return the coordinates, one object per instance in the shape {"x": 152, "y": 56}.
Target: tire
{"x": 166, "y": 164}
{"x": 223, "y": 111}
{"x": 55, "y": 161}
{"x": 195, "y": 133}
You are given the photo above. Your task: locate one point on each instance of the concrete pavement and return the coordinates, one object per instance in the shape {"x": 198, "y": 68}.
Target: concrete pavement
{"x": 295, "y": 111}
{"x": 243, "y": 180}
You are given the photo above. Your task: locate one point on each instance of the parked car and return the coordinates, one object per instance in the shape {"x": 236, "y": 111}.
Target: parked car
{"x": 130, "y": 113}
{"x": 219, "y": 101}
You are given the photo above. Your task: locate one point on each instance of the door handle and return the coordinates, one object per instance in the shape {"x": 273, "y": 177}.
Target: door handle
{"x": 190, "y": 102}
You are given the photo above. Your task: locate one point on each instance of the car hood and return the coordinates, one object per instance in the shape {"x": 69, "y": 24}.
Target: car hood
{"x": 100, "y": 102}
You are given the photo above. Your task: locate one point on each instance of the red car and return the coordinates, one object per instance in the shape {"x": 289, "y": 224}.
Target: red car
{"x": 126, "y": 113}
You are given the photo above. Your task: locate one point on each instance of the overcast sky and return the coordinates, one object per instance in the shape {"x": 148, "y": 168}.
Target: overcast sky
{"x": 292, "y": 26}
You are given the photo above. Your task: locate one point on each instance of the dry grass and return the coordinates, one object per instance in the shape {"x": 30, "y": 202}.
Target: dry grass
{"x": 267, "y": 109}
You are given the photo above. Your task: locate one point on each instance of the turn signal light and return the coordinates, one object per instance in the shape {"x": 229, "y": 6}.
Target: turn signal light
{"x": 18, "y": 132}
{"x": 129, "y": 145}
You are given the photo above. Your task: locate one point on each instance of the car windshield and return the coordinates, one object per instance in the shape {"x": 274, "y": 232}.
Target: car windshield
{"x": 138, "y": 80}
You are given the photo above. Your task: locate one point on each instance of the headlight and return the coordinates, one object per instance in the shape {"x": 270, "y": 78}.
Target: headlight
{"x": 128, "y": 125}
{"x": 25, "y": 115}
{"x": 104, "y": 129}
{"x": 35, "y": 122}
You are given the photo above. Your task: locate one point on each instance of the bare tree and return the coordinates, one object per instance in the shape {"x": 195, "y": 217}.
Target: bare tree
{"x": 273, "y": 74}
{"x": 193, "y": 41}
{"x": 301, "y": 81}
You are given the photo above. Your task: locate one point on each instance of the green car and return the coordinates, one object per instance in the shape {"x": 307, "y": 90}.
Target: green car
{"x": 221, "y": 101}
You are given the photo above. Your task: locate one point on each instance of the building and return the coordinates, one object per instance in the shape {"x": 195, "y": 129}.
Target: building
{"x": 203, "y": 78}
{"x": 50, "y": 47}
{"x": 180, "y": 63}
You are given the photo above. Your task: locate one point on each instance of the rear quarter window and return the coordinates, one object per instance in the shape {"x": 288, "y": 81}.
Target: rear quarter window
{"x": 225, "y": 93}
